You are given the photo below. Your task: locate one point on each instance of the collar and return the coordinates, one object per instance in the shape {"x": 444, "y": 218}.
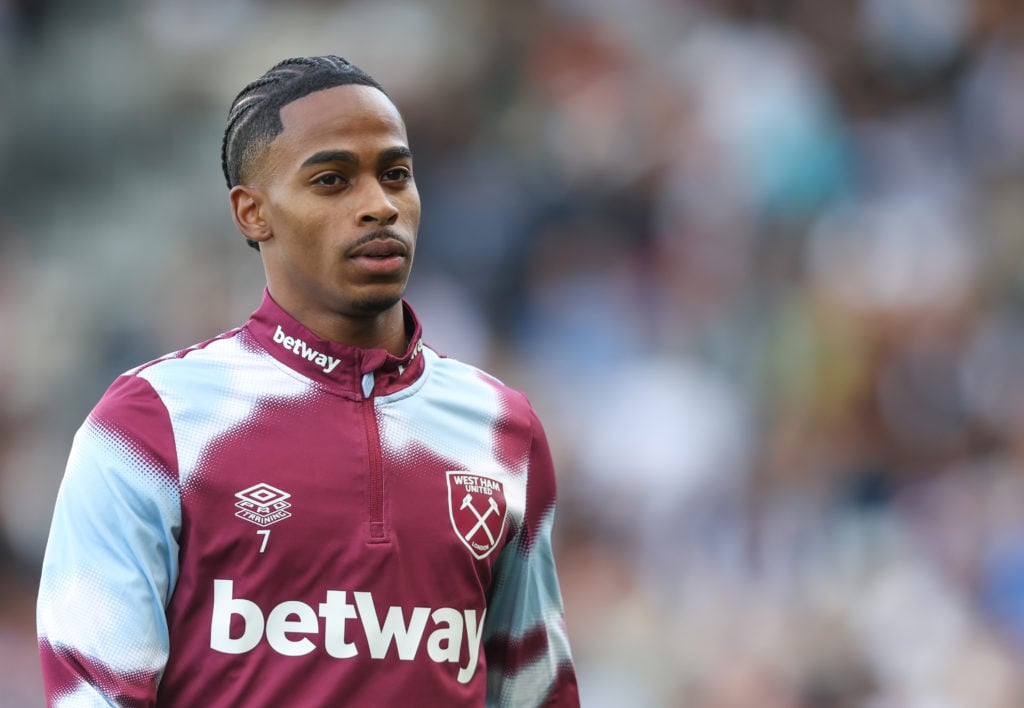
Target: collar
{"x": 341, "y": 368}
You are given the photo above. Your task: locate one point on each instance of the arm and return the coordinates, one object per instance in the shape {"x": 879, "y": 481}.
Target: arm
{"x": 112, "y": 556}
{"x": 525, "y": 640}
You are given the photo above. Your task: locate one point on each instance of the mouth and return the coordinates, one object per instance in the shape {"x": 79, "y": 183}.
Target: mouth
{"x": 380, "y": 247}
{"x": 380, "y": 250}
{"x": 380, "y": 256}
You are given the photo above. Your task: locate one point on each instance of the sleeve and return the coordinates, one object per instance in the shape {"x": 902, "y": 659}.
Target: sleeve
{"x": 525, "y": 640}
{"x": 111, "y": 559}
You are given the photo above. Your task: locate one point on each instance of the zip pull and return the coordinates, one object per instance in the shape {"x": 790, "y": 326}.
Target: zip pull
{"x": 368, "y": 385}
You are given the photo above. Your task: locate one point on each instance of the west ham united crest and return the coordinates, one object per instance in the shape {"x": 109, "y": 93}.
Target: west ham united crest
{"x": 476, "y": 505}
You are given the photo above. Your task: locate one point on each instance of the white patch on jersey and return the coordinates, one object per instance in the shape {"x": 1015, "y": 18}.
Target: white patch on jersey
{"x": 211, "y": 391}
{"x": 84, "y": 696}
{"x": 453, "y": 414}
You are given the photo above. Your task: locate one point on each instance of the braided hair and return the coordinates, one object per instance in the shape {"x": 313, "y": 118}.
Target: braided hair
{"x": 254, "y": 119}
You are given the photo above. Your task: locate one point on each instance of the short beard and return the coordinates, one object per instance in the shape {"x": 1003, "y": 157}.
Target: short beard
{"x": 370, "y": 307}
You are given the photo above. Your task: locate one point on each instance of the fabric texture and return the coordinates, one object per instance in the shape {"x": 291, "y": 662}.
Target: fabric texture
{"x": 268, "y": 518}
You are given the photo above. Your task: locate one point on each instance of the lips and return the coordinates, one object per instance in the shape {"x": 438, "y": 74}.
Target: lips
{"x": 382, "y": 257}
{"x": 380, "y": 248}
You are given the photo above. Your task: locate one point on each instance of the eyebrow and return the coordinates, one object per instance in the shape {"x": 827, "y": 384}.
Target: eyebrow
{"x": 350, "y": 158}
{"x": 394, "y": 154}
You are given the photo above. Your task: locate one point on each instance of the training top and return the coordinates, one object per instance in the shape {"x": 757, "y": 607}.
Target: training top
{"x": 272, "y": 519}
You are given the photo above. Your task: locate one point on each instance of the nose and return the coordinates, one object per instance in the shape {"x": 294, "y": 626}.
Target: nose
{"x": 377, "y": 207}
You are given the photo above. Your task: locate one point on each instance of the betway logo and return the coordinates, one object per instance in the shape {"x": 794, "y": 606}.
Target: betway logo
{"x": 290, "y": 619}
{"x": 299, "y": 346}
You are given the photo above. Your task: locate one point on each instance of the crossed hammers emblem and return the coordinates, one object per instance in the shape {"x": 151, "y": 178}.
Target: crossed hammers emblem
{"x": 481, "y": 519}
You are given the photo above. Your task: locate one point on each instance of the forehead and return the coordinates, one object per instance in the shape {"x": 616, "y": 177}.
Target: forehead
{"x": 341, "y": 116}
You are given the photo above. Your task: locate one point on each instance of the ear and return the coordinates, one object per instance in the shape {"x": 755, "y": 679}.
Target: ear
{"x": 247, "y": 211}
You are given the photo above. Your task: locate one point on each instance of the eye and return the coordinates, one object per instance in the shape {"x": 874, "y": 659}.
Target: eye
{"x": 329, "y": 179}
{"x": 397, "y": 174}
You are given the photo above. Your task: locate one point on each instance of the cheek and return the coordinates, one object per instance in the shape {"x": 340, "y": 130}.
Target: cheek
{"x": 411, "y": 208}
{"x": 306, "y": 226}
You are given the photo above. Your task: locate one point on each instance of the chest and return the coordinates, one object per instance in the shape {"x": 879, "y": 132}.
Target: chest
{"x": 406, "y": 497}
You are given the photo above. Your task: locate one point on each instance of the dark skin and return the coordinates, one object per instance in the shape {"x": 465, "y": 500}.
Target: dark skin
{"x": 334, "y": 207}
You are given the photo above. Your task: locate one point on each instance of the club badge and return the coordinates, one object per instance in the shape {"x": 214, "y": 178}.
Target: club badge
{"x": 476, "y": 505}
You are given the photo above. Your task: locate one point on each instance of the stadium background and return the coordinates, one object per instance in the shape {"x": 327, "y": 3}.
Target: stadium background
{"x": 758, "y": 263}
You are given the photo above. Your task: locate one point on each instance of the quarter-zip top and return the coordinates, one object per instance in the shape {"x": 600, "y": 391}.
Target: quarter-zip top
{"x": 375, "y": 472}
{"x": 297, "y": 507}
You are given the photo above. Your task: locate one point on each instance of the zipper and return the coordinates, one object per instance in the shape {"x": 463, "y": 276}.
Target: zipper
{"x": 375, "y": 476}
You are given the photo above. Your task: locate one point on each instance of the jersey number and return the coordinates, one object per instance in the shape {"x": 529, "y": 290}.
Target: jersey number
{"x": 265, "y": 533}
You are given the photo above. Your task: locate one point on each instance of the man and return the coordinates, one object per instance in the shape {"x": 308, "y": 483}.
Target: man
{"x": 313, "y": 509}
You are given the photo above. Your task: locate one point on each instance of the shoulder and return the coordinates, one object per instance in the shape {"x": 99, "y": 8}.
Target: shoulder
{"x": 458, "y": 377}
{"x": 136, "y": 397}
{"x": 456, "y": 371}
{"x": 224, "y": 346}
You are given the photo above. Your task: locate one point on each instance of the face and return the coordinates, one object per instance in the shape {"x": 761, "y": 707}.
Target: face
{"x": 334, "y": 207}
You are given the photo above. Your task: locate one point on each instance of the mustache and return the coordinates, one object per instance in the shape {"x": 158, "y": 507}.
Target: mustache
{"x": 381, "y": 235}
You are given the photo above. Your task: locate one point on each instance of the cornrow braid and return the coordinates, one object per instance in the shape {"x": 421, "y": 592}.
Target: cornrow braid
{"x": 254, "y": 119}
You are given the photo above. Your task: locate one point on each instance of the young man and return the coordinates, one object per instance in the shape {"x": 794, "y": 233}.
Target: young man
{"x": 313, "y": 509}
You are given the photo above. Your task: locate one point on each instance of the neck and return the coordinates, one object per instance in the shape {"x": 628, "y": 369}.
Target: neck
{"x": 380, "y": 330}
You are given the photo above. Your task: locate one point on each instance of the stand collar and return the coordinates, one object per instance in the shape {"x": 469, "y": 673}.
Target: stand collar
{"x": 341, "y": 368}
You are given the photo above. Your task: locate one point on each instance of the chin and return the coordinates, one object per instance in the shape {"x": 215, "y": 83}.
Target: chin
{"x": 374, "y": 304}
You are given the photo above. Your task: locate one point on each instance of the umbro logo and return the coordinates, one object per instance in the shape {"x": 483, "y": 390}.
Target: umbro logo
{"x": 262, "y": 504}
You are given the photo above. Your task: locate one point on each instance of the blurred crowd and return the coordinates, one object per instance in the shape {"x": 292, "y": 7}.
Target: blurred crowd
{"x": 759, "y": 264}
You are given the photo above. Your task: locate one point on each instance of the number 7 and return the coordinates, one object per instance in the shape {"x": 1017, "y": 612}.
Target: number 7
{"x": 265, "y": 533}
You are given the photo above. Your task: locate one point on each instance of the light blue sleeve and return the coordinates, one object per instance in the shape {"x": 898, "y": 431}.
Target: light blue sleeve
{"x": 528, "y": 658}
{"x": 529, "y": 662}
{"x": 111, "y": 561}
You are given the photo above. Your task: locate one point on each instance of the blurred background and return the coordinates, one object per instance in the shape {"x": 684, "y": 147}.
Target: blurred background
{"x": 759, "y": 264}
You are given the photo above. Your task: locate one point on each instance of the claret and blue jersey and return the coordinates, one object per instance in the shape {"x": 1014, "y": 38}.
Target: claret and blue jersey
{"x": 268, "y": 518}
